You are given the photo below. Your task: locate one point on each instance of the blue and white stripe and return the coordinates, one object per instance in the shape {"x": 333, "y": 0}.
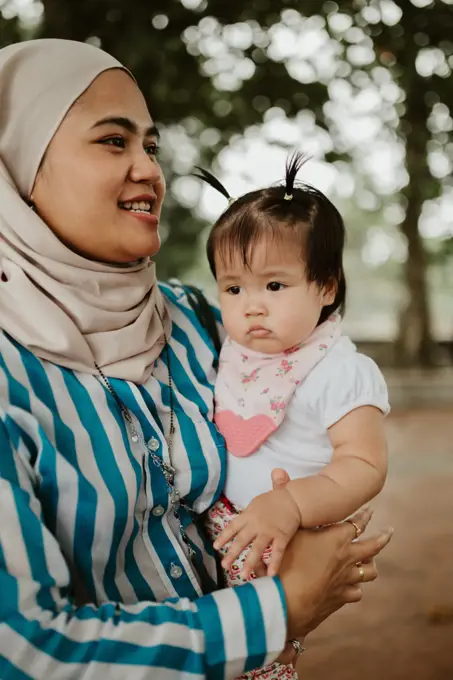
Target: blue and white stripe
{"x": 80, "y": 502}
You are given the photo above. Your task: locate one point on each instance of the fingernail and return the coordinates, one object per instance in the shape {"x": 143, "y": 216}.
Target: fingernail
{"x": 215, "y": 545}
{"x": 386, "y": 536}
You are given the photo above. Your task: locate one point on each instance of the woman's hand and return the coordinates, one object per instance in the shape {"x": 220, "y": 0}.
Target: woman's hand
{"x": 271, "y": 519}
{"x": 289, "y": 654}
{"x": 319, "y": 571}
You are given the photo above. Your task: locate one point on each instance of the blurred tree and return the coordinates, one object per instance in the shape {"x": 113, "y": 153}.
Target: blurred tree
{"x": 209, "y": 70}
{"x": 417, "y": 50}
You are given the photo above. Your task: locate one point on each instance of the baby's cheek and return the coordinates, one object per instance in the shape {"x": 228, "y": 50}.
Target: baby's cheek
{"x": 230, "y": 317}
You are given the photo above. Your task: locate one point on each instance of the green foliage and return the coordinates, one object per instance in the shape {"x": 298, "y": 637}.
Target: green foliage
{"x": 215, "y": 67}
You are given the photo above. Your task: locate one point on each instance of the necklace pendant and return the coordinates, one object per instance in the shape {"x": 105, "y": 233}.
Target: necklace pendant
{"x": 174, "y": 498}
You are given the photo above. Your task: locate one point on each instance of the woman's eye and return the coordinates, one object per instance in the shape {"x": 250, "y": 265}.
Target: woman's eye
{"x": 152, "y": 149}
{"x": 234, "y": 290}
{"x": 119, "y": 142}
{"x": 274, "y": 286}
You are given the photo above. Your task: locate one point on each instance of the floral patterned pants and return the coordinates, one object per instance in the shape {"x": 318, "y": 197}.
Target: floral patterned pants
{"x": 217, "y": 519}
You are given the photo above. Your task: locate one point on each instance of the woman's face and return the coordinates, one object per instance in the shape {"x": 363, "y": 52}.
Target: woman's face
{"x": 100, "y": 188}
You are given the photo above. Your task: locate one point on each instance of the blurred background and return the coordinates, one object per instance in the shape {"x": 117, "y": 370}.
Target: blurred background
{"x": 366, "y": 89}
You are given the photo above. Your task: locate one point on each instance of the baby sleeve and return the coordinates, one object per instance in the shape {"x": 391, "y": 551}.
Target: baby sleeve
{"x": 355, "y": 381}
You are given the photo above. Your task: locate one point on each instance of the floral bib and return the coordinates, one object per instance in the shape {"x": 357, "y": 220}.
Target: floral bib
{"x": 253, "y": 389}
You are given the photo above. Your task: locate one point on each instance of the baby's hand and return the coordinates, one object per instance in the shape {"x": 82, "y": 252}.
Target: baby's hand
{"x": 271, "y": 519}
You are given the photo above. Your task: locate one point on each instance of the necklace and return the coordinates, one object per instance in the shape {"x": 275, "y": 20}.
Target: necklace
{"x": 167, "y": 469}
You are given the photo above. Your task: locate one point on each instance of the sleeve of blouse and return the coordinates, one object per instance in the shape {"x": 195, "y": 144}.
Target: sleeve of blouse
{"x": 44, "y": 635}
{"x": 356, "y": 382}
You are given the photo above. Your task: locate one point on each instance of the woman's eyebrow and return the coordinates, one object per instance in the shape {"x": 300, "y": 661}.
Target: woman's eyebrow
{"x": 128, "y": 125}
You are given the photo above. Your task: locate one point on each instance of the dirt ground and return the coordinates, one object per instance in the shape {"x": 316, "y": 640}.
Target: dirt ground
{"x": 403, "y": 628}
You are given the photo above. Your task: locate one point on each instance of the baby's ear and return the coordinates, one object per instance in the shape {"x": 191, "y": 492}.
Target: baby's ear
{"x": 329, "y": 292}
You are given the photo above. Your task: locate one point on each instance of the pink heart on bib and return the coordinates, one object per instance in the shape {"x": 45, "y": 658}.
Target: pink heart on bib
{"x": 244, "y": 435}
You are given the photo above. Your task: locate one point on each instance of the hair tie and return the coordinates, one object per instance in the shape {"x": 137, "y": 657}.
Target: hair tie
{"x": 293, "y": 165}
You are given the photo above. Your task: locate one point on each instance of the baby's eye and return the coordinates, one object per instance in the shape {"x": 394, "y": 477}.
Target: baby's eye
{"x": 234, "y": 290}
{"x": 274, "y": 286}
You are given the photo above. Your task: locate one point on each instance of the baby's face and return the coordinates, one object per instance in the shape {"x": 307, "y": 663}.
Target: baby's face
{"x": 270, "y": 306}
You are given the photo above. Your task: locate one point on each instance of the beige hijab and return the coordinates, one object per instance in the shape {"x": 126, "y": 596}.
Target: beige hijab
{"x": 59, "y": 305}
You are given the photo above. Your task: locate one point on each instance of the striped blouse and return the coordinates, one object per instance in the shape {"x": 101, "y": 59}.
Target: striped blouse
{"x": 82, "y": 503}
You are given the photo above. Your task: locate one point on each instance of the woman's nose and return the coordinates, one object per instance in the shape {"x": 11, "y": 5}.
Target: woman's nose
{"x": 145, "y": 168}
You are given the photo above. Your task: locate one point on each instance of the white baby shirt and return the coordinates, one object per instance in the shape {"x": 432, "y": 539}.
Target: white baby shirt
{"x": 341, "y": 382}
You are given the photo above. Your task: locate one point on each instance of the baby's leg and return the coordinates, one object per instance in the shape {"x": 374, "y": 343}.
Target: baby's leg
{"x": 217, "y": 518}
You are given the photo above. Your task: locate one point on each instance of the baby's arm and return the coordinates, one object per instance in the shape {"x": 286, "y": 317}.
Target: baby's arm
{"x": 355, "y": 475}
{"x": 351, "y": 405}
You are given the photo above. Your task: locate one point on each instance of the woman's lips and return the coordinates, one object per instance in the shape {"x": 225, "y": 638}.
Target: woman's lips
{"x": 145, "y": 217}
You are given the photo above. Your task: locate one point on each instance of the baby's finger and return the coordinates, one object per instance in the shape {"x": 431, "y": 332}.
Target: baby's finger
{"x": 230, "y": 531}
{"x": 278, "y": 550}
{"x": 241, "y": 541}
{"x": 255, "y": 555}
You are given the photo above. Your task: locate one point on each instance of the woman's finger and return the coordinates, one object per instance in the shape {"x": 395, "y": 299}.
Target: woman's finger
{"x": 241, "y": 541}
{"x": 362, "y": 573}
{"x": 255, "y": 556}
{"x": 289, "y": 655}
{"x": 363, "y": 551}
{"x": 280, "y": 478}
{"x": 352, "y": 594}
{"x": 230, "y": 531}
{"x": 356, "y": 525}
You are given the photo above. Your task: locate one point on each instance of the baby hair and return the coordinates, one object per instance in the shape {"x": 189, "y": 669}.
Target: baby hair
{"x": 290, "y": 209}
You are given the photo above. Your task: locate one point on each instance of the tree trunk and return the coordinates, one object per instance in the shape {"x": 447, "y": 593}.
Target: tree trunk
{"x": 415, "y": 345}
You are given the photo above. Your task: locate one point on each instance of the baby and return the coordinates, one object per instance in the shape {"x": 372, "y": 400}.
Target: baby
{"x": 292, "y": 391}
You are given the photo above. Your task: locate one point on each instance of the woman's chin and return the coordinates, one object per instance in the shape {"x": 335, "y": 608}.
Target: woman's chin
{"x": 139, "y": 249}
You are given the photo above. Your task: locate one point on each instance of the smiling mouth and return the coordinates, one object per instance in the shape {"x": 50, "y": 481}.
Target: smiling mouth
{"x": 141, "y": 207}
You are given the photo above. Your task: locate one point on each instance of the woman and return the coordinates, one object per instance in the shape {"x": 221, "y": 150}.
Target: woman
{"x": 108, "y": 451}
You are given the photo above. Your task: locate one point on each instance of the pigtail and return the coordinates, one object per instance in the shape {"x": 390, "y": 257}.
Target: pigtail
{"x": 293, "y": 165}
{"x": 212, "y": 181}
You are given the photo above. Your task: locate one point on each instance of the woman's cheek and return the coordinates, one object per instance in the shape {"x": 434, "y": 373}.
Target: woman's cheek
{"x": 160, "y": 188}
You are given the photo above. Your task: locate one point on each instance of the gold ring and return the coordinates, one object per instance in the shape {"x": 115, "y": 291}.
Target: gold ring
{"x": 361, "y": 572}
{"x": 358, "y": 530}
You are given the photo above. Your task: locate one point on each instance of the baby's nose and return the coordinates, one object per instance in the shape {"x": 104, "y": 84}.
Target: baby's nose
{"x": 255, "y": 307}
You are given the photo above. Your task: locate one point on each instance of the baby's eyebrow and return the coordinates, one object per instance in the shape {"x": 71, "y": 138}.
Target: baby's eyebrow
{"x": 228, "y": 278}
{"x": 273, "y": 272}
